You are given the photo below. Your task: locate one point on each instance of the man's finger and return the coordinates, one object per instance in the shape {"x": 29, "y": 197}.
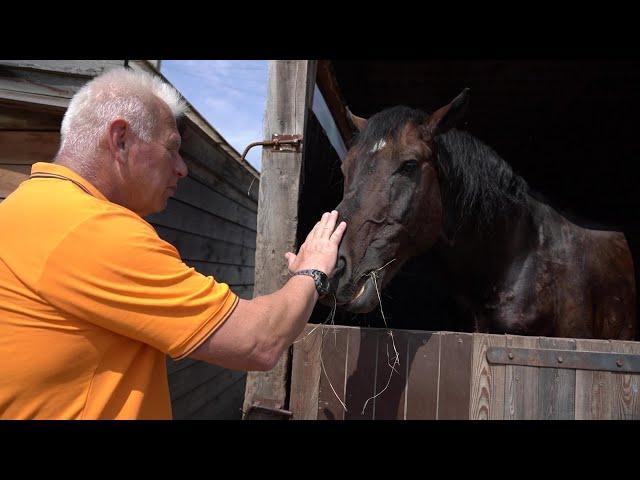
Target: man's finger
{"x": 329, "y": 225}
{"x": 336, "y": 236}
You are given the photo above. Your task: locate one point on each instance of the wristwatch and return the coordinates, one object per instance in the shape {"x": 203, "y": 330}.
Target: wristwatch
{"x": 320, "y": 278}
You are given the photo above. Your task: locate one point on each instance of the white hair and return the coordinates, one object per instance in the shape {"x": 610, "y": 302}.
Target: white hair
{"x": 120, "y": 93}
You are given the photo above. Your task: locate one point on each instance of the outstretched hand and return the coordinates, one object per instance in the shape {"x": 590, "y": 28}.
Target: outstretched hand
{"x": 320, "y": 249}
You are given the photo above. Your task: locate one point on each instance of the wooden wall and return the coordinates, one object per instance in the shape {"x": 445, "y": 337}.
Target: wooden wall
{"x": 211, "y": 221}
{"x": 446, "y": 375}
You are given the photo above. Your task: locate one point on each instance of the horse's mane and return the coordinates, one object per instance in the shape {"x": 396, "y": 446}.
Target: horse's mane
{"x": 476, "y": 183}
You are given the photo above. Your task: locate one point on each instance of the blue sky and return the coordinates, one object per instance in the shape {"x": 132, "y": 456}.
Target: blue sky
{"x": 230, "y": 94}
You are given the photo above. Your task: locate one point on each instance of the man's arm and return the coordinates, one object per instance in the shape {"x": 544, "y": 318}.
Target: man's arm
{"x": 258, "y": 331}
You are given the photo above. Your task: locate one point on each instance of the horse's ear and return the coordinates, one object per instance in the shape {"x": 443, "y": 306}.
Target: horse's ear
{"x": 448, "y": 116}
{"x": 358, "y": 123}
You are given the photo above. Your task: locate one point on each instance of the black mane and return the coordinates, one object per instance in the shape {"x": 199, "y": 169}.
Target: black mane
{"x": 476, "y": 183}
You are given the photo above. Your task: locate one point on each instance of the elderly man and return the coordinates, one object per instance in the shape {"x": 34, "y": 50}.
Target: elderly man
{"x": 91, "y": 299}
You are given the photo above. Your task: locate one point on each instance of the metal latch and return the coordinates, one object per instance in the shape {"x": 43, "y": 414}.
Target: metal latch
{"x": 278, "y": 142}
{"x": 261, "y": 412}
{"x": 574, "y": 359}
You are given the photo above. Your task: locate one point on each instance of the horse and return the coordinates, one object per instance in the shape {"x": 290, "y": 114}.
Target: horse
{"x": 415, "y": 185}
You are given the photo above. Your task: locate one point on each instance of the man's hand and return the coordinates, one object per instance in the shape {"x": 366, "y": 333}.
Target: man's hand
{"x": 320, "y": 249}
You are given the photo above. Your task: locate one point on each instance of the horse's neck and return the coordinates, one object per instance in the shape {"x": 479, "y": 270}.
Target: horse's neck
{"x": 476, "y": 256}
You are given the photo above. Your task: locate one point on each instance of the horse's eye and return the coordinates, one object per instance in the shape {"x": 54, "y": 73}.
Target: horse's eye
{"x": 408, "y": 166}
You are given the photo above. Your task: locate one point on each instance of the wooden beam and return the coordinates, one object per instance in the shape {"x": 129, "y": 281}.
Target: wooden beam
{"x": 290, "y": 95}
{"x": 328, "y": 85}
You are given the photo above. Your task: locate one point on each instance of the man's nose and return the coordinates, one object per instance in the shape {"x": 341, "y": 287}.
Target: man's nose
{"x": 181, "y": 167}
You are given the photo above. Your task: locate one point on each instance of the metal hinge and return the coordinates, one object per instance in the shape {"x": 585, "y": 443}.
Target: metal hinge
{"x": 539, "y": 357}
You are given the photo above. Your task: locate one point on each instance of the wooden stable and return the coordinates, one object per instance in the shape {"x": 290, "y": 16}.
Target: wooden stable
{"x": 211, "y": 221}
{"x": 441, "y": 375}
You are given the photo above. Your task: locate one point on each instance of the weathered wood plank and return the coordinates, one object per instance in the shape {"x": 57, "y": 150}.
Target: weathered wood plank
{"x": 201, "y": 248}
{"x": 593, "y": 389}
{"x": 455, "y": 376}
{"x": 333, "y": 357}
{"x": 53, "y": 87}
{"x": 246, "y": 293}
{"x": 190, "y": 219}
{"x": 174, "y": 366}
{"x": 487, "y": 388}
{"x": 89, "y": 68}
{"x": 521, "y": 384}
{"x": 389, "y": 402}
{"x": 183, "y": 381}
{"x": 305, "y": 374}
{"x": 13, "y": 118}
{"x": 556, "y": 386}
{"x": 291, "y": 85}
{"x": 361, "y": 354}
{"x": 11, "y": 176}
{"x": 194, "y": 192}
{"x": 227, "y": 405}
{"x": 198, "y": 145}
{"x": 201, "y": 395}
{"x": 423, "y": 361}
{"x": 626, "y": 396}
{"x": 27, "y": 148}
{"x": 205, "y": 174}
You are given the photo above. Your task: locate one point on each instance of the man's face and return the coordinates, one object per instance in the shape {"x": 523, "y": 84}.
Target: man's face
{"x": 156, "y": 166}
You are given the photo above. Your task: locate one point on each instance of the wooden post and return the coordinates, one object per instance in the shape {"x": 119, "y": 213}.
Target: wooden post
{"x": 291, "y": 85}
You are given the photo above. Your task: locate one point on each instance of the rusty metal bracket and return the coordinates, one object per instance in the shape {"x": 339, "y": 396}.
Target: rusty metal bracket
{"x": 261, "y": 412}
{"x": 539, "y": 357}
{"x": 278, "y": 142}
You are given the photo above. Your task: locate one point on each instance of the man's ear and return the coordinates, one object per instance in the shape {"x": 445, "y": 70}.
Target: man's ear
{"x": 448, "y": 116}
{"x": 118, "y": 137}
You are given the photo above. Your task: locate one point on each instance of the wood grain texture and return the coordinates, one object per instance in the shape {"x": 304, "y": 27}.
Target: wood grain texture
{"x": 305, "y": 374}
{"x": 556, "y": 386}
{"x": 200, "y": 247}
{"x": 487, "y": 381}
{"x": 27, "y": 148}
{"x": 190, "y": 219}
{"x": 521, "y": 384}
{"x": 361, "y": 377}
{"x": 423, "y": 357}
{"x": 593, "y": 389}
{"x": 389, "y": 403}
{"x": 24, "y": 119}
{"x": 332, "y": 388}
{"x": 89, "y": 68}
{"x": 626, "y": 396}
{"x": 290, "y": 88}
{"x": 455, "y": 376}
{"x": 11, "y": 176}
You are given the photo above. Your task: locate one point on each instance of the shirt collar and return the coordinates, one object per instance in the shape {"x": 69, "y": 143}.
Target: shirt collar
{"x": 55, "y": 169}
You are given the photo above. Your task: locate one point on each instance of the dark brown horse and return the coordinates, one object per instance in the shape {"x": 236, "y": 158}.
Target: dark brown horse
{"x": 413, "y": 185}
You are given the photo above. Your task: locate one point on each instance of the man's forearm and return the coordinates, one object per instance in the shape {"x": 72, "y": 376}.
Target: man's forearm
{"x": 288, "y": 311}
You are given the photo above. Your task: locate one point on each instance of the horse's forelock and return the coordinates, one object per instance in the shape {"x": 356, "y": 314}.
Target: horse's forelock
{"x": 386, "y": 125}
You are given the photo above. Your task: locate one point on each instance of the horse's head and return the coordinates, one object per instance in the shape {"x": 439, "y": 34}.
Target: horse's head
{"x": 392, "y": 201}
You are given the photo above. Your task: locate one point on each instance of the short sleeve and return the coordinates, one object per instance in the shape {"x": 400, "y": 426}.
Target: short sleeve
{"x": 113, "y": 270}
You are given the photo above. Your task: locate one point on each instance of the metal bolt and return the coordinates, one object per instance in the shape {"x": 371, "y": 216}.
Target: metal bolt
{"x": 560, "y": 359}
{"x": 510, "y": 355}
{"x": 619, "y": 363}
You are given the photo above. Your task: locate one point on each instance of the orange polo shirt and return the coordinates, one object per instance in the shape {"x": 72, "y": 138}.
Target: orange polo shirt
{"x": 91, "y": 301}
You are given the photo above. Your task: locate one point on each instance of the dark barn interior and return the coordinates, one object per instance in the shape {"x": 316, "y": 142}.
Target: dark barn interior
{"x": 567, "y": 127}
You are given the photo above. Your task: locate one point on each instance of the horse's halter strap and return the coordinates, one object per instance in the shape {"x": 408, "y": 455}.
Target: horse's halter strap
{"x": 60, "y": 177}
